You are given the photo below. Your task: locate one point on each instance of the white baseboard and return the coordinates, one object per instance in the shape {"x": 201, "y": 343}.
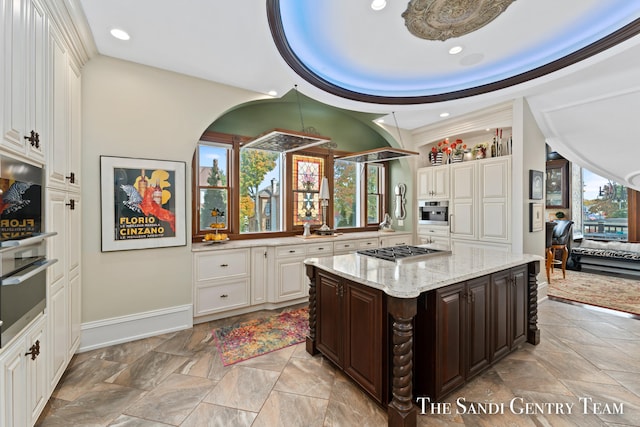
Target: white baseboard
{"x": 117, "y": 330}
{"x": 542, "y": 291}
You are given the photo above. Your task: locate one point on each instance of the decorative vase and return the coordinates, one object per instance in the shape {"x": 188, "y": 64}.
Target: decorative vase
{"x": 436, "y": 158}
{"x": 457, "y": 158}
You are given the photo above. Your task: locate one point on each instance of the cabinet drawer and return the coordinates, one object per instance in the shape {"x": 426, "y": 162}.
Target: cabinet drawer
{"x": 219, "y": 264}
{"x": 433, "y": 231}
{"x": 287, "y": 251}
{"x": 320, "y": 249}
{"x": 367, "y": 243}
{"x": 346, "y": 246}
{"x": 220, "y": 297}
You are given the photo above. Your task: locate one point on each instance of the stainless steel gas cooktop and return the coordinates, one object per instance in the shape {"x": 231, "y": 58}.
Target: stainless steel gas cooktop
{"x": 403, "y": 252}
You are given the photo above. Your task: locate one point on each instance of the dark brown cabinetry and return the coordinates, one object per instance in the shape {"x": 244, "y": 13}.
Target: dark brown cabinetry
{"x": 509, "y": 310}
{"x": 455, "y": 320}
{"x": 468, "y": 326}
{"x": 351, "y": 331}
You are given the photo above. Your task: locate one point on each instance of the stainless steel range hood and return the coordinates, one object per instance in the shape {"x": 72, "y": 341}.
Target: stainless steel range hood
{"x": 377, "y": 155}
{"x": 284, "y": 141}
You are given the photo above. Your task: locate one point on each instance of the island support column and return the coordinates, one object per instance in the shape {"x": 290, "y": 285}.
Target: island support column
{"x": 533, "y": 333}
{"x": 310, "y": 344}
{"x": 401, "y": 411}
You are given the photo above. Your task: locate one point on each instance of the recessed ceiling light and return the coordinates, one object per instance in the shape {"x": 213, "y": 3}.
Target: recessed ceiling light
{"x": 455, "y": 50}
{"x": 120, "y": 34}
{"x": 272, "y": 93}
{"x": 378, "y": 4}
{"x": 444, "y": 114}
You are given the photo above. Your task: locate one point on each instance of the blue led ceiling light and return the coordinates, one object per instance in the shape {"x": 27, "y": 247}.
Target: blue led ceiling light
{"x": 306, "y": 45}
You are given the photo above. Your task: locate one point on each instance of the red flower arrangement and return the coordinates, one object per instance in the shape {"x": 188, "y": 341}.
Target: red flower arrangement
{"x": 458, "y": 147}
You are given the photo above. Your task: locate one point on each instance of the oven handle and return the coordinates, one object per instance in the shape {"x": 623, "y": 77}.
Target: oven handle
{"x": 40, "y": 267}
{"x": 28, "y": 241}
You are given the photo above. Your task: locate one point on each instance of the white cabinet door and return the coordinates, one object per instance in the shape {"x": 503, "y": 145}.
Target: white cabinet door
{"x": 24, "y": 86}
{"x": 440, "y": 182}
{"x": 72, "y": 269}
{"x": 57, "y": 157}
{"x": 13, "y": 406}
{"x": 495, "y": 199}
{"x": 462, "y": 210}
{"x": 291, "y": 279}
{"x": 433, "y": 183}
{"x": 423, "y": 180}
{"x": 57, "y": 277}
{"x": 24, "y": 389}
{"x": 36, "y": 369}
{"x": 259, "y": 274}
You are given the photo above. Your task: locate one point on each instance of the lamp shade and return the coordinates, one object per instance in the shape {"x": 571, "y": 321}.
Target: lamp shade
{"x": 324, "y": 189}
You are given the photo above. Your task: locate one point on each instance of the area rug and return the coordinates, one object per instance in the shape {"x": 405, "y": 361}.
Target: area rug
{"x": 619, "y": 294}
{"x": 256, "y": 337}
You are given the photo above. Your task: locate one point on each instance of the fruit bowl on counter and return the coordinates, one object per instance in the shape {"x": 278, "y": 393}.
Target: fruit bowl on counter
{"x": 215, "y": 237}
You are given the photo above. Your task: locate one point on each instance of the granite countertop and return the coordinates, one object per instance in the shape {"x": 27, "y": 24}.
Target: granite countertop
{"x": 411, "y": 278}
{"x": 293, "y": 240}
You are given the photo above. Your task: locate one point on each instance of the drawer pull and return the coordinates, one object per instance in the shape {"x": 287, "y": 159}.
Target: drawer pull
{"x": 224, "y": 265}
{"x": 347, "y": 246}
{"x": 224, "y": 296}
{"x": 292, "y": 251}
{"x": 321, "y": 249}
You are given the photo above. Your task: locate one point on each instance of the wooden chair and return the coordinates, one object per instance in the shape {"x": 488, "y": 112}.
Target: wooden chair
{"x": 548, "y": 249}
{"x": 561, "y": 240}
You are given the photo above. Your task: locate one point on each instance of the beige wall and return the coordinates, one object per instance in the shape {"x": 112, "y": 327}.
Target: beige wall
{"x": 131, "y": 110}
{"x": 534, "y": 157}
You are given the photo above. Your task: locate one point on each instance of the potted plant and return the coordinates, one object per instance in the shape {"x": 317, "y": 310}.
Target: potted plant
{"x": 437, "y": 152}
{"x": 479, "y": 151}
{"x": 458, "y": 151}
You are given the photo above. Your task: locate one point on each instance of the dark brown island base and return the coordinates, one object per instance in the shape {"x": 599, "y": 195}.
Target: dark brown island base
{"x": 423, "y": 328}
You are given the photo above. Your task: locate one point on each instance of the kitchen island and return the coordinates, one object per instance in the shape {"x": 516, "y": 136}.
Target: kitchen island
{"x": 420, "y": 328}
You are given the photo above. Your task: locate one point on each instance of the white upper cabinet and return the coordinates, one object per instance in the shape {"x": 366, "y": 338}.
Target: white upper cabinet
{"x": 25, "y": 111}
{"x": 433, "y": 183}
{"x": 495, "y": 199}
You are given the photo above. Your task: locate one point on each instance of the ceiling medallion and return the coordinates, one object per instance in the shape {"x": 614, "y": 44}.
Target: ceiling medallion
{"x": 444, "y": 19}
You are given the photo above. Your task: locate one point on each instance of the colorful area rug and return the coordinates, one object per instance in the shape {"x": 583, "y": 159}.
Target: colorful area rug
{"x": 598, "y": 290}
{"x": 254, "y": 338}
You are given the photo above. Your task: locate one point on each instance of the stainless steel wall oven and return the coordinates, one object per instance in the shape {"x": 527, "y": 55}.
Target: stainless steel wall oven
{"x": 433, "y": 212}
{"x": 23, "y": 261}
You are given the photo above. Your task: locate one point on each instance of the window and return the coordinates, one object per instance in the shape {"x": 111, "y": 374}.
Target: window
{"x": 604, "y": 208}
{"x": 374, "y": 193}
{"x": 260, "y": 201}
{"x": 345, "y": 194}
{"x": 307, "y": 173}
{"x": 213, "y": 184}
{"x": 253, "y": 193}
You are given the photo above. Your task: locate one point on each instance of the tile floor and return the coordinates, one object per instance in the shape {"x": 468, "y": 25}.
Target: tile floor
{"x": 178, "y": 380}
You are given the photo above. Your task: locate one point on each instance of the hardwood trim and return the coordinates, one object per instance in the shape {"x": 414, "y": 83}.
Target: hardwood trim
{"x": 633, "y": 204}
{"x": 287, "y": 53}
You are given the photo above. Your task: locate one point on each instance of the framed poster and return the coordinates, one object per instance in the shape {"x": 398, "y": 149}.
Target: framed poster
{"x": 142, "y": 203}
{"x": 536, "y": 217}
{"x": 536, "y": 179}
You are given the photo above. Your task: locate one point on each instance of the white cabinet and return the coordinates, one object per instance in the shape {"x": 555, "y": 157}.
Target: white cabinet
{"x": 222, "y": 280}
{"x": 462, "y": 209}
{"x": 23, "y": 376}
{"x": 63, "y": 279}
{"x": 396, "y": 239}
{"x": 260, "y": 271}
{"x": 495, "y": 200}
{"x": 63, "y": 152}
{"x": 434, "y": 235}
{"x": 290, "y": 278}
{"x": 480, "y": 207}
{"x": 433, "y": 183}
{"x": 24, "y": 80}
